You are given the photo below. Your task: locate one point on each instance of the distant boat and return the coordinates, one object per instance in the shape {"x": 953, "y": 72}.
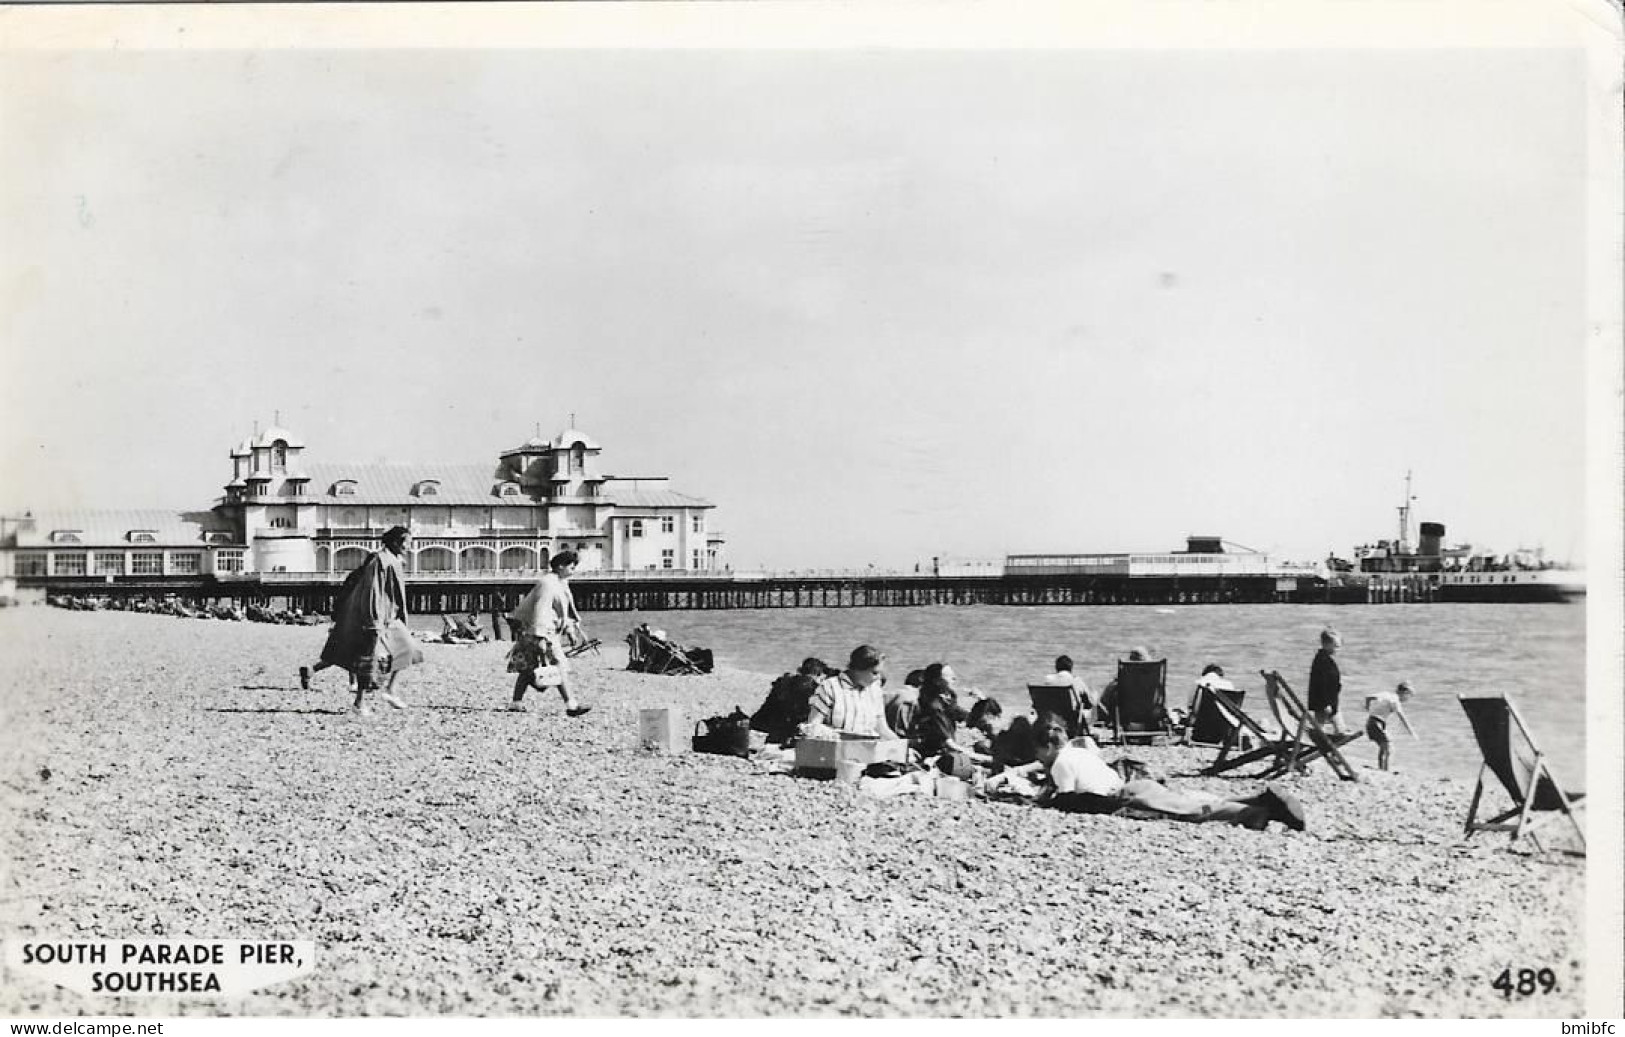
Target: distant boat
{"x": 1461, "y": 573}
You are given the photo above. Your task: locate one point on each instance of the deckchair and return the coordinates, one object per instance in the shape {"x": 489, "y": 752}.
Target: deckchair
{"x": 592, "y": 645}
{"x": 650, "y": 654}
{"x": 1139, "y": 710}
{"x": 637, "y": 649}
{"x": 1058, "y": 699}
{"x": 1510, "y": 753}
{"x": 579, "y": 643}
{"x": 1279, "y": 751}
{"x": 1208, "y": 719}
{"x": 1308, "y": 741}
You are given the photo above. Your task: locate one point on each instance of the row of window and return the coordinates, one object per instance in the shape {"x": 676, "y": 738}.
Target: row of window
{"x": 668, "y": 559}
{"x": 112, "y": 563}
{"x": 668, "y": 524}
{"x": 427, "y": 488}
{"x": 134, "y": 536}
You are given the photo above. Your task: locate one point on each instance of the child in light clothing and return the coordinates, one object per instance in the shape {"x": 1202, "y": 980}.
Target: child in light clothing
{"x": 1378, "y": 708}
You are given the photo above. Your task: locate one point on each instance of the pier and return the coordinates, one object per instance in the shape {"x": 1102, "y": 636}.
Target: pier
{"x": 442, "y": 593}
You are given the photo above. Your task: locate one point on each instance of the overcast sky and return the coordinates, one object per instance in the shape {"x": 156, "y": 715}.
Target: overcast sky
{"x": 876, "y": 305}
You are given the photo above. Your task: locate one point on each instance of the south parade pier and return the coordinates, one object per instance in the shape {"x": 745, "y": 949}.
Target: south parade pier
{"x": 653, "y": 591}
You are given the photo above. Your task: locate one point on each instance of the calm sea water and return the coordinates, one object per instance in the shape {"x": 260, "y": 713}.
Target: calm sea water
{"x": 1535, "y": 653}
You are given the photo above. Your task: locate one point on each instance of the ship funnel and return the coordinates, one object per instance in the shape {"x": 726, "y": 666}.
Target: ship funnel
{"x": 1432, "y": 537}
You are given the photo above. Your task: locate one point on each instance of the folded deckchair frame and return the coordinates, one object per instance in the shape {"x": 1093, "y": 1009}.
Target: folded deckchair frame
{"x": 591, "y": 645}
{"x": 1141, "y": 698}
{"x": 1057, "y": 699}
{"x": 514, "y": 630}
{"x": 649, "y": 654}
{"x": 1510, "y": 753}
{"x": 1308, "y": 741}
{"x": 1281, "y": 752}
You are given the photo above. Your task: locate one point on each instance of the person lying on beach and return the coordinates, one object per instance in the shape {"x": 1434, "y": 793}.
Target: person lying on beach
{"x": 851, "y": 701}
{"x": 1379, "y": 706}
{"x": 1080, "y": 781}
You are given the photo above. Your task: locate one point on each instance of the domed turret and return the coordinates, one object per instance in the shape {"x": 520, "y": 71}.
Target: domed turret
{"x": 571, "y": 437}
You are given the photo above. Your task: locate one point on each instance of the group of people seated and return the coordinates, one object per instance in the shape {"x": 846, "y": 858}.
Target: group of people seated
{"x": 458, "y": 630}
{"x": 961, "y": 732}
{"x": 169, "y": 605}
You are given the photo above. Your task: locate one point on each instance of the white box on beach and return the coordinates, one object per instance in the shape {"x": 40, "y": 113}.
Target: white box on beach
{"x": 821, "y": 756}
{"x": 660, "y": 730}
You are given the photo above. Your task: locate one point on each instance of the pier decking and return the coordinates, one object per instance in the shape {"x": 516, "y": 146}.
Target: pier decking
{"x": 432, "y": 593}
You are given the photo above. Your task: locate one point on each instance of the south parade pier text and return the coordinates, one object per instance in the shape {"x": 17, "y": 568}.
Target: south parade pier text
{"x": 163, "y": 966}
{"x": 149, "y": 953}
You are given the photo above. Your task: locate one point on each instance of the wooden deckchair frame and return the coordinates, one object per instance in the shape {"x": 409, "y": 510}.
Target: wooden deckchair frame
{"x": 1307, "y": 742}
{"x": 1123, "y": 735}
{"x": 1279, "y": 751}
{"x": 1541, "y": 794}
{"x": 641, "y": 643}
{"x": 1057, "y": 699}
{"x": 1204, "y": 694}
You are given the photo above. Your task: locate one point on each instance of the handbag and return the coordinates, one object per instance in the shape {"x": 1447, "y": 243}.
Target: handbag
{"x": 723, "y": 735}
{"x": 549, "y": 676}
{"x": 398, "y": 644}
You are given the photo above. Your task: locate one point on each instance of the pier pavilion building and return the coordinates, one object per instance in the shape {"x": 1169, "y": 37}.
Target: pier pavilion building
{"x": 284, "y": 513}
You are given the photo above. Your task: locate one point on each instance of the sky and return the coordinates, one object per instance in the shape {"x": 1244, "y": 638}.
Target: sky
{"x": 876, "y": 305}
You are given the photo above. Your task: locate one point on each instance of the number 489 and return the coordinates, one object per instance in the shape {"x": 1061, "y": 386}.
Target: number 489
{"x": 1525, "y": 982}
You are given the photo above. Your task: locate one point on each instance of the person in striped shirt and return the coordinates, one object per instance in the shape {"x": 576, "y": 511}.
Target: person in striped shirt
{"x": 853, "y": 700}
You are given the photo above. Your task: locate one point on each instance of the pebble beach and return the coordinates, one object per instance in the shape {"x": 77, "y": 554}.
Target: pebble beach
{"x": 168, "y": 777}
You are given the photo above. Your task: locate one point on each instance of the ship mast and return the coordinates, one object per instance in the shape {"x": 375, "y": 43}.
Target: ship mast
{"x": 1405, "y": 517}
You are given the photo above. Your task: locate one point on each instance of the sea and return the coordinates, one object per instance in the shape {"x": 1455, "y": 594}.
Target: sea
{"x": 1533, "y": 653}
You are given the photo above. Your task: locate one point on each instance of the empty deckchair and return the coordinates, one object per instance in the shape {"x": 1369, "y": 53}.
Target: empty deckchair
{"x": 1061, "y": 700}
{"x": 1139, "y": 708}
{"x": 1510, "y": 754}
{"x": 1307, "y": 741}
{"x": 1280, "y": 752}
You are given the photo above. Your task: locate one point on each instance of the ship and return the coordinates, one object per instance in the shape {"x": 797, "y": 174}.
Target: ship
{"x": 1462, "y": 573}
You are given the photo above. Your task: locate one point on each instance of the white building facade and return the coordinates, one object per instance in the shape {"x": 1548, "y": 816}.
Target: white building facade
{"x": 284, "y": 513}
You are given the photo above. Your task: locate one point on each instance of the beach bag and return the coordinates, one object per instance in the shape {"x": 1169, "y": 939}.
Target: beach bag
{"x": 724, "y": 735}
{"x": 398, "y": 644}
{"x": 549, "y": 676}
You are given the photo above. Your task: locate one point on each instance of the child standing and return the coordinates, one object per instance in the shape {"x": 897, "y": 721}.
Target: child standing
{"x": 1378, "y": 708}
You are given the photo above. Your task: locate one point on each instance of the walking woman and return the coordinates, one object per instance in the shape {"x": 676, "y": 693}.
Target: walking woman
{"x": 370, "y": 637}
{"x": 544, "y": 620}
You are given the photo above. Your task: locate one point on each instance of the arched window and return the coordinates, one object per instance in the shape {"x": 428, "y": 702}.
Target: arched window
{"x": 578, "y": 459}
{"x": 428, "y": 488}
{"x": 279, "y": 456}
{"x": 509, "y": 489}
{"x": 344, "y": 488}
